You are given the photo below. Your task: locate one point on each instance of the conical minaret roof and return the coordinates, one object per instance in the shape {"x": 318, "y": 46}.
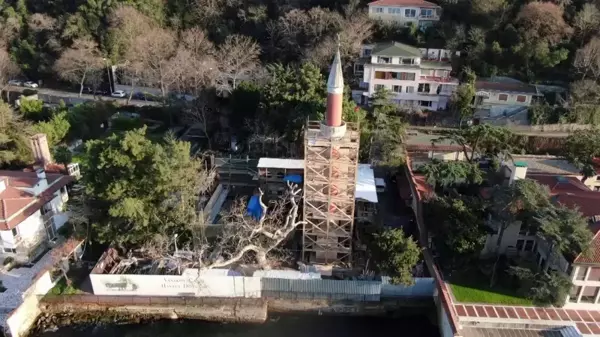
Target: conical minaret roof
{"x": 335, "y": 82}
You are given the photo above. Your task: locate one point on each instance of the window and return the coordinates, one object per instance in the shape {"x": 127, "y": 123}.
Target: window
{"x": 594, "y": 274}
{"x": 397, "y": 88}
{"x": 589, "y": 294}
{"x": 366, "y": 52}
{"x": 15, "y": 231}
{"x": 382, "y": 59}
{"x": 425, "y": 104}
{"x": 581, "y": 273}
{"x": 395, "y": 11}
{"x": 426, "y": 72}
{"x": 406, "y": 76}
{"x": 575, "y": 290}
{"x": 503, "y": 97}
{"x": 423, "y": 87}
{"x": 408, "y": 61}
{"x": 359, "y": 68}
{"x": 378, "y": 9}
{"x": 529, "y": 245}
{"x": 520, "y": 244}
{"x": 410, "y": 13}
{"x": 521, "y": 98}
{"x": 379, "y": 86}
{"x": 380, "y": 75}
{"x": 410, "y": 90}
{"x": 426, "y": 13}
{"x": 10, "y": 250}
{"x": 442, "y": 73}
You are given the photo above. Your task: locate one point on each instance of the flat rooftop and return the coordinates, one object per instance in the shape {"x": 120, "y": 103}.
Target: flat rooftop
{"x": 547, "y": 164}
{"x": 417, "y": 140}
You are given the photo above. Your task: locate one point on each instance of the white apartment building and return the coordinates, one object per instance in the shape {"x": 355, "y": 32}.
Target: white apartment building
{"x": 406, "y": 12}
{"x": 32, "y": 209}
{"x": 418, "y": 78}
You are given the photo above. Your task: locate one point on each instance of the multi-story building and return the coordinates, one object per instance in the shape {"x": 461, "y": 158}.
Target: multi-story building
{"x": 31, "y": 210}
{"x": 418, "y": 78}
{"x": 406, "y": 12}
{"x": 32, "y": 205}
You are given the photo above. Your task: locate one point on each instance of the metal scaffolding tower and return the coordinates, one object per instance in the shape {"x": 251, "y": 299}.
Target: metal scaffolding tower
{"x": 330, "y": 175}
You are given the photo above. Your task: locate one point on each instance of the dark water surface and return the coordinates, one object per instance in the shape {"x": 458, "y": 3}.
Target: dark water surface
{"x": 277, "y": 326}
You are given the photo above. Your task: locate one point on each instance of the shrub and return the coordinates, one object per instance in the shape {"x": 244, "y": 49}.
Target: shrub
{"x": 29, "y": 92}
{"x": 7, "y": 261}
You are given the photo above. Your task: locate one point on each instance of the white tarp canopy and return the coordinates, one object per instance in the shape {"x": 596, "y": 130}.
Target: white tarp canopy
{"x": 365, "y": 184}
{"x": 281, "y": 163}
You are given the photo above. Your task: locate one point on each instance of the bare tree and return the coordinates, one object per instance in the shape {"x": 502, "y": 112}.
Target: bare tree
{"x": 587, "y": 21}
{"x": 543, "y": 22}
{"x": 77, "y": 63}
{"x": 242, "y": 238}
{"x": 203, "y": 113}
{"x": 356, "y": 29}
{"x": 587, "y": 60}
{"x": 38, "y": 22}
{"x": 237, "y": 57}
{"x": 151, "y": 52}
{"x": 8, "y": 69}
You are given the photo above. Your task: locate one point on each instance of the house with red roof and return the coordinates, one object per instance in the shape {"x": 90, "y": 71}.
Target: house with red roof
{"x": 32, "y": 205}
{"x": 32, "y": 209}
{"x": 406, "y": 12}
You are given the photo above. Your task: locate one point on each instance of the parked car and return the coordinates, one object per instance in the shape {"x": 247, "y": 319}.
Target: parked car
{"x": 100, "y": 92}
{"x": 87, "y": 90}
{"x": 119, "y": 94}
{"x": 15, "y": 83}
{"x": 30, "y": 84}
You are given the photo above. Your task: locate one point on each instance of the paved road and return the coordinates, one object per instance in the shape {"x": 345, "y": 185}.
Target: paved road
{"x": 55, "y": 96}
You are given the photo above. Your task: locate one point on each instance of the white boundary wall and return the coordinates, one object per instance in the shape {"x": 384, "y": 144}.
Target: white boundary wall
{"x": 22, "y": 318}
{"x": 176, "y": 285}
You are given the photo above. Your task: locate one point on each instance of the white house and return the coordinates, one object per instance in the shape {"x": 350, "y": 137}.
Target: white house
{"x": 502, "y": 96}
{"x": 418, "y": 78}
{"x": 406, "y": 12}
{"x": 31, "y": 210}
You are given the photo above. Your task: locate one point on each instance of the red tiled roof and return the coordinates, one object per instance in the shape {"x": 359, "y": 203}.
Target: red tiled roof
{"x": 593, "y": 254}
{"x": 587, "y": 321}
{"x": 406, "y": 3}
{"x": 16, "y": 204}
{"x": 571, "y": 192}
{"x": 507, "y": 87}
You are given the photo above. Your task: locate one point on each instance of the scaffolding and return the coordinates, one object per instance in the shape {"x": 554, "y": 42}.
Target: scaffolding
{"x": 330, "y": 174}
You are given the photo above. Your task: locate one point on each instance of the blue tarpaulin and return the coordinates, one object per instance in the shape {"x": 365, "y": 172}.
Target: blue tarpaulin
{"x": 293, "y": 178}
{"x": 254, "y": 209}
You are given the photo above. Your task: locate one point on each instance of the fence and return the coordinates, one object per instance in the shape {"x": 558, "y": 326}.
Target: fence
{"x": 221, "y": 286}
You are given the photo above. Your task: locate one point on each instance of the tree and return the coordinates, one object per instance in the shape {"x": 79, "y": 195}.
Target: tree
{"x": 458, "y": 227}
{"x": 587, "y": 60}
{"x": 517, "y": 202}
{"x": 581, "y": 148}
{"x": 237, "y": 58}
{"x": 14, "y": 133}
{"x": 542, "y": 22}
{"x": 587, "y": 21}
{"x": 8, "y": 68}
{"x": 565, "y": 230}
{"x": 387, "y": 131}
{"x": 544, "y": 288}
{"x": 32, "y": 109}
{"x": 56, "y": 129}
{"x": 90, "y": 119}
{"x": 63, "y": 155}
{"x": 462, "y": 98}
{"x": 397, "y": 254}
{"x": 481, "y": 140}
{"x": 450, "y": 173}
{"x": 77, "y": 63}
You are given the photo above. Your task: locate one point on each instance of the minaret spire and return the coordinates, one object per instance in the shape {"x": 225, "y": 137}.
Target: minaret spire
{"x": 335, "y": 90}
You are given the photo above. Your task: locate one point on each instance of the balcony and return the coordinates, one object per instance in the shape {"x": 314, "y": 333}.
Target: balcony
{"x": 429, "y": 17}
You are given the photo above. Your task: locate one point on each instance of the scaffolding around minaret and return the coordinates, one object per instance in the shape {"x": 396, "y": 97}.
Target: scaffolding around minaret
{"x": 330, "y": 174}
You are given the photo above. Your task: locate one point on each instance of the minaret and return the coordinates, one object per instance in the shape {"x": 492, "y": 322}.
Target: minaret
{"x": 335, "y": 92}
{"x": 330, "y": 171}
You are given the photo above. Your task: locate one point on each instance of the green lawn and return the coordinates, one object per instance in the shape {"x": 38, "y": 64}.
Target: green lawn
{"x": 473, "y": 287}
{"x": 61, "y": 288}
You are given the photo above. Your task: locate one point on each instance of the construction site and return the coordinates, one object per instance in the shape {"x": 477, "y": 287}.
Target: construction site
{"x": 339, "y": 193}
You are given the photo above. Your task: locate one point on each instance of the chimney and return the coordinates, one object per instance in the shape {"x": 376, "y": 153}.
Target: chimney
{"x": 518, "y": 172}
{"x": 42, "y": 184}
{"x": 335, "y": 93}
{"x": 41, "y": 151}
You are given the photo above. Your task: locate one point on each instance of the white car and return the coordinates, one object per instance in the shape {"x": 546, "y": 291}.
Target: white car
{"x": 119, "y": 94}
{"x": 30, "y": 84}
{"x": 15, "y": 83}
